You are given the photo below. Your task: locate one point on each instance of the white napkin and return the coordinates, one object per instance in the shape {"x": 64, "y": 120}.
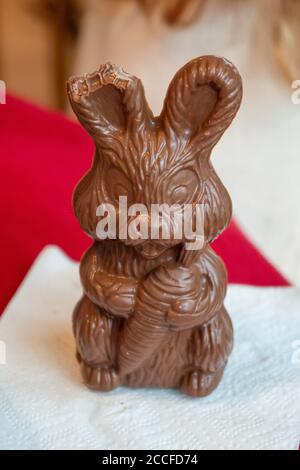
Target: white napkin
{"x": 44, "y": 405}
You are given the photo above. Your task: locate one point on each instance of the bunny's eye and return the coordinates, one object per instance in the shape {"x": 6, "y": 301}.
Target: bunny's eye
{"x": 183, "y": 186}
{"x": 118, "y": 185}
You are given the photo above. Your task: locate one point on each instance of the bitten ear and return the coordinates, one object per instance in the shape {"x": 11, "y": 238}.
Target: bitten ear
{"x": 202, "y": 100}
{"x": 106, "y": 102}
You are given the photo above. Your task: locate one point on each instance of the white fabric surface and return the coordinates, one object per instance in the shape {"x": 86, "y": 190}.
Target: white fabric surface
{"x": 43, "y": 404}
{"x": 258, "y": 157}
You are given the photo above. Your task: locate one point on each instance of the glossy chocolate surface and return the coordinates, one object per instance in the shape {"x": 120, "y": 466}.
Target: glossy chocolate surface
{"x": 152, "y": 312}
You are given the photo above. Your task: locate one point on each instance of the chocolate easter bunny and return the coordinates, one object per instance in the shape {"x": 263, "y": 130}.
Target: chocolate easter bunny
{"x": 152, "y": 312}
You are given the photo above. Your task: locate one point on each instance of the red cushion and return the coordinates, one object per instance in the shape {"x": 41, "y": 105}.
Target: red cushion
{"x": 43, "y": 155}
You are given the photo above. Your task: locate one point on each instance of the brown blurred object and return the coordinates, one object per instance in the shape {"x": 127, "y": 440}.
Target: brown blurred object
{"x": 37, "y": 44}
{"x": 176, "y": 12}
{"x": 282, "y": 15}
{"x": 286, "y": 34}
{"x": 63, "y": 17}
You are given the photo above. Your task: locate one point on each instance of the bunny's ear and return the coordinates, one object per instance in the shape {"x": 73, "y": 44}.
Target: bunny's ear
{"x": 202, "y": 100}
{"x": 108, "y": 101}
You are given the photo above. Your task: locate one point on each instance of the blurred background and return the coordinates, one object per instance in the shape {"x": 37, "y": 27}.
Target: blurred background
{"x": 43, "y": 42}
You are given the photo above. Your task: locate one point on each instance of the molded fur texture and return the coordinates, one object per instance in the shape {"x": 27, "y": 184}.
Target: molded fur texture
{"x": 152, "y": 313}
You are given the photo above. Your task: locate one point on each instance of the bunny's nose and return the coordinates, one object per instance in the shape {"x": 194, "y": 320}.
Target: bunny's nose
{"x": 144, "y": 227}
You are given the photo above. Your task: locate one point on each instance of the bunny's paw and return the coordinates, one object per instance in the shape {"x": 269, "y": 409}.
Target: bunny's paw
{"x": 199, "y": 384}
{"x": 102, "y": 378}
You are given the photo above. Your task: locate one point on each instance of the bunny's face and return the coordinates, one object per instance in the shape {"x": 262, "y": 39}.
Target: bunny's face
{"x": 155, "y": 160}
